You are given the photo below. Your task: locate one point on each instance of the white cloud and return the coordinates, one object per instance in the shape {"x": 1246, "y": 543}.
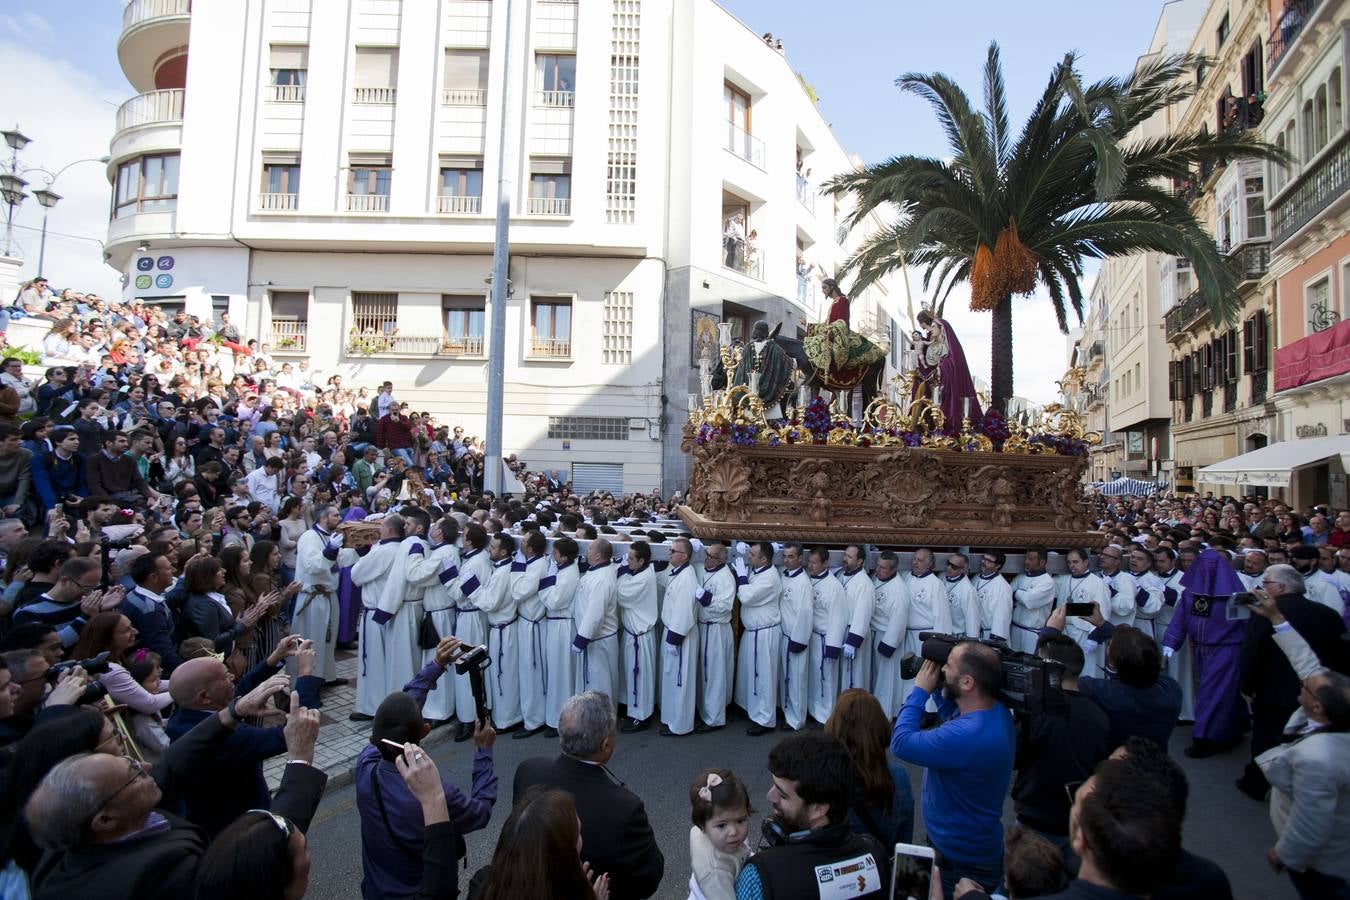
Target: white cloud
{"x": 32, "y": 24}
{"x": 68, "y": 114}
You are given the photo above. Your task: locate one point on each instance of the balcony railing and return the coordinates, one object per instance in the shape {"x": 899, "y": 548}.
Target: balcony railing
{"x": 374, "y": 96}
{"x": 138, "y": 11}
{"x": 462, "y": 345}
{"x": 1097, "y": 350}
{"x": 556, "y": 99}
{"x": 289, "y": 336}
{"x": 549, "y": 206}
{"x": 1185, "y": 314}
{"x": 286, "y": 93}
{"x": 551, "y": 348}
{"x": 154, "y": 108}
{"x": 462, "y": 205}
{"x": 368, "y": 203}
{"x": 805, "y": 194}
{"x": 278, "y": 202}
{"x": 740, "y": 256}
{"x": 409, "y": 344}
{"x": 1250, "y": 259}
{"x": 744, "y": 144}
{"x": 1293, "y": 18}
{"x": 1260, "y": 386}
{"x": 463, "y": 98}
{"x": 804, "y": 291}
{"x": 1314, "y": 190}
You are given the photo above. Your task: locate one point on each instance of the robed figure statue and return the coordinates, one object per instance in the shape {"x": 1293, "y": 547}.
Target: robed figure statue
{"x": 942, "y": 375}
{"x": 770, "y": 366}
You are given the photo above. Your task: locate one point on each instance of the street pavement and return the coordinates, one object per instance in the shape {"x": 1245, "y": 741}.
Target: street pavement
{"x": 1221, "y": 824}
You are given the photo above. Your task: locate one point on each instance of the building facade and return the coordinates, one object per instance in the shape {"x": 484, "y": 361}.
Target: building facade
{"x": 333, "y": 181}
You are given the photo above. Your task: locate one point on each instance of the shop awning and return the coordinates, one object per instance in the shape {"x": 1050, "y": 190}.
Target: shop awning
{"x": 1273, "y": 466}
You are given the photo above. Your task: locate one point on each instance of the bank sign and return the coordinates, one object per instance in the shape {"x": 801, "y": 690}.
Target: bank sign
{"x": 154, "y": 272}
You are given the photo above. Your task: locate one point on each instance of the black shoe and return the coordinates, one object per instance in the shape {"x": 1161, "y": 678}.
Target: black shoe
{"x": 463, "y": 732}
{"x": 633, "y": 726}
{"x": 786, "y": 727}
{"x": 335, "y": 682}
{"x": 1201, "y": 748}
{"x": 756, "y": 729}
{"x": 701, "y": 728}
{"x": 509, "y": 728}
{"x": 526, "y": 732}
{"x": 550, "y": 732}
{"x": 812, "y": 725}
{"x": 1251, "y": 789}
{"x": 666, "y": 732}
{"x": 359, "y": 717}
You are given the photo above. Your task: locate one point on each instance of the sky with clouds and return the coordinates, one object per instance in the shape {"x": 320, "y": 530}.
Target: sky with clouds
{"x": 851, "y": 53}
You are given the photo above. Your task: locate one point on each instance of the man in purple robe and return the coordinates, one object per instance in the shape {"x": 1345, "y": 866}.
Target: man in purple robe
{"x": 1221, "y": 716}
{"x": 943, "y": 376}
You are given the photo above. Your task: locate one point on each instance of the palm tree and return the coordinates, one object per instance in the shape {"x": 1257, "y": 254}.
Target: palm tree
{"x": 1009, "y": 212}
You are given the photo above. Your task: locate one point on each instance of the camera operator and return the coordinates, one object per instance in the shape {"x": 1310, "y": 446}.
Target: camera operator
{"x": 1058, "y": 746}
{"x": 969, "y": 761}
{"x": 26, "y": 694}
{"x": 808, "y": 830}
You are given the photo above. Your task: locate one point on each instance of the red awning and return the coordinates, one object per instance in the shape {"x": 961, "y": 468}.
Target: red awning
{"x": 1313, "y": 358}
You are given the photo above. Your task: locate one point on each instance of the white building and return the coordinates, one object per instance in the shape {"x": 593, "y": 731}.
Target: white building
{"x": 327, "y": 171}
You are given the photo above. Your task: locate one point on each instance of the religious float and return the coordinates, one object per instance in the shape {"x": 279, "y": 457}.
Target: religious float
{"x": 905, "y": 476}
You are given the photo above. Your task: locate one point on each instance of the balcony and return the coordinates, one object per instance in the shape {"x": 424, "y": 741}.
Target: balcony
{"x": 285, "y": 93}
{"x": 154, "y": 108}
{"x": 1294, "y": 18}
{"x": 804, "y": 291}
{"x": 740, "y": 256}
{"x": 551, "y": 349}
{"x": 549, "y": 206}
{"x": 462, "y": 345}
{"x": 278, "y": 202}
{"x": 464, "y": 98}
{"x": 394, "y": 344}
{"x": 374, "y": 96}
{"x": 1185, "y": 314}
{"x": 367, "y": 203}
{"x": 1314, "y": 191}
{"x": 1097, "y": 350}
{"x": 554, "y": 99}
{"x": 1260, "y": 387}
{"x": 1321, "y": 355}
{"x": 805, "y": 195}
{"x": 470, "y": 206}
{"x": 745, "y": 145}
{"x": 1249, "y": 260}
{"x": 288, "y": 336}
{"x": 150, "y": 30}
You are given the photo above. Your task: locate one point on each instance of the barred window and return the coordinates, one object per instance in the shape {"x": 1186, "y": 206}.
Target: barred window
{"x": 587, "y": 428}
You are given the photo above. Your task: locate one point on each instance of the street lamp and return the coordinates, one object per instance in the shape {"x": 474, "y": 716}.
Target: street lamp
{"x": 12, "y": 187}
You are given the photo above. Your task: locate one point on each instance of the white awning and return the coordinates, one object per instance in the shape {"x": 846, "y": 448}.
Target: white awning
{"x": 1273, "y": 466}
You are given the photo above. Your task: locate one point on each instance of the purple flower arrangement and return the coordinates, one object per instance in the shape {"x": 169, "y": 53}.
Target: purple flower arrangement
{"x": 817, "y": 420}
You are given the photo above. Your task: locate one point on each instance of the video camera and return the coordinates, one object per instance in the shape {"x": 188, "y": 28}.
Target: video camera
{"x": 94, "y": 666}
{"x": 474, "y": 661}
{"x": 1028, "y": 681}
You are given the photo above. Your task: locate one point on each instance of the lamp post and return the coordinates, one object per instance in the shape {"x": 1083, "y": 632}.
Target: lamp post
{"x": 12, "y": 186}
{"x": 47, "y": 198}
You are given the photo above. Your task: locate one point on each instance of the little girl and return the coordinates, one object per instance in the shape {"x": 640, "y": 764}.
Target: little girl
{"x": 717, "y": 850}
{"x": 147, "y": 728}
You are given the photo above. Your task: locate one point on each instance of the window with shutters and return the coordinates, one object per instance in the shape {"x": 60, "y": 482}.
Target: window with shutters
{"x": 466, "y": 78}
{"x": 368, "y": 182}
{"x": 288, "y": 65}
{"x": 461, "y": 186}
{"x": 376, "y": 76}
{"x": 374, "y": 315}
{"x": 587, "y": 428}
{"x": 1172, "y": 392}
{"x": 550, "y": 186}
{"x": 1230, "y": 353}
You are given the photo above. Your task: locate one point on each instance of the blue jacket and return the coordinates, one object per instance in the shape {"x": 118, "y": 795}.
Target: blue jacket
{"x": 154, "y": 623}
{"x": 236, "y": 783}
{"x": 54, "y": 478}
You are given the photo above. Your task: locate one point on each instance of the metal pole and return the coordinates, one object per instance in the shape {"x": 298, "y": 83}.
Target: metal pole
{"x": 42, "y": 244}
{"x": 501, "y": 266}
{"x": 9, "y": 228}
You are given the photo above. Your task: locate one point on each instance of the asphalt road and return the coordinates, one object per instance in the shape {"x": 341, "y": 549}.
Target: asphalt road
{"x": 1221, "y": 824}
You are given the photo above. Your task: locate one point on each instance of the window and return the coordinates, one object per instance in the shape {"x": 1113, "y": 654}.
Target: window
{"x": 368, "y": 184}
{"x": 288, "y": 64}
{"x": 1335, "y": 101}
{"x": 1255, "y": 344}
{"x": 1138, "y": 382}
{"x": 1318, "y": 304}
{"x": 1253, "y": 71}
{"x": 550, "y": 326}
{"x": 617, "y": 346}
{"x": 461, "y": 186}
{"x": 1254, "y": 191}
{"x": 280, "y": 181}
{"x": 290, "y": 321}
{"x": 555, "y": 78}
{"x": 739, "y": 139}
{"x": 550, "y": 187}
{"x": 376, "y": 76}
{"x": 587, "y": 428}
{"x": 466, "y": 78}
{"x": 1221, "y": 34}
{"x": 1320, "y": 118}
{"x": 465, "y": 316}
{"x": 374, "y": 315}
{"x": 147, "y": 184}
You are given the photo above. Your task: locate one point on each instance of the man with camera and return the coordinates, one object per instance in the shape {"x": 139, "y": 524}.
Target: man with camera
{"x": 969, "y": 761}
{"x": 809, "y": 846}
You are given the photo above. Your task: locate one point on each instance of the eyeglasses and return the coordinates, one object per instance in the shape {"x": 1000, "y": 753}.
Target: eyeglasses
{"x": 1071, "y": 788}
{"x": 280, "y": 821}
{"x": 137, "y": 773}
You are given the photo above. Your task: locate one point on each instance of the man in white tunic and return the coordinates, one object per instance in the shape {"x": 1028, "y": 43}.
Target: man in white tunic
{"x": 1253, "y": 569}
{"x": 759, "y": 588}
{"x": 856, "y": 669}
{"x": 1033, "y": 598}
{"x": 890, "y": 612}
{"x": 469, "y": 625}
{"x": 1148, "y": 596}
{"x": 716, "y": 651}
{"x": 596, "y": 645}
{"x": 493, "y": 598}
{"x": 635, "y": 594}
{"x": 994, "y": 595}
{"x": 1179, "y": 663}
{"x": 370, "y": 573}
{"x": 1121, "y": 587}
{"x": 929, "y": 608}
{"x": 961, "y": 597}
{"x": 441, "y": 594}
{"x": 401, "y": 603}
{"x": 1317, "y": 585}
{"x": 679, "y": 649}
{"x": 319, "y": 556}
{"x": 1086, "y": 587}
{"x": 795, "y": 614}
{"x": 531, "y": 631}
{"x": 829, "y": 628}
{"x": 557, "y": 590}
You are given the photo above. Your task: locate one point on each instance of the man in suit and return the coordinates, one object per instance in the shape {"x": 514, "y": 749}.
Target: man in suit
{"x": 616, "y": 837}
{"x": 1267, "y": 676}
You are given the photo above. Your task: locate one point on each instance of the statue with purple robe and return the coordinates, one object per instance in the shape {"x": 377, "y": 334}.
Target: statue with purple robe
{"x": 942, "y": 375}
{"x": 1202, "y": 617}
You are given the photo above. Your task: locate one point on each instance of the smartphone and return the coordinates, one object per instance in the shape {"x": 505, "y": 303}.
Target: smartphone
{"x": 911, "y": 872}
{"x": 1078, "y": 609}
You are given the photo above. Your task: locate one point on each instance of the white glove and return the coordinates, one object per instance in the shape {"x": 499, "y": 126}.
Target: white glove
{"x": 742, "y": 548}
{"x": 335, "y": 540}
{"x": 1167, "y": 652}
{"x": 849, "y": 652}
{"x": 697, "y": 545}
{"x": 739, "y": 566}
{"x": 777, "y": 547}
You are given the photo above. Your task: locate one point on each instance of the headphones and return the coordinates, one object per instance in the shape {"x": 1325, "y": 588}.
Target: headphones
{"x": 773, "y": 834}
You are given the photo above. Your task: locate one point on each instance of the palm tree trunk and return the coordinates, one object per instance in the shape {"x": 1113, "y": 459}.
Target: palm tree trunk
{"x": 1001, "y": 356}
